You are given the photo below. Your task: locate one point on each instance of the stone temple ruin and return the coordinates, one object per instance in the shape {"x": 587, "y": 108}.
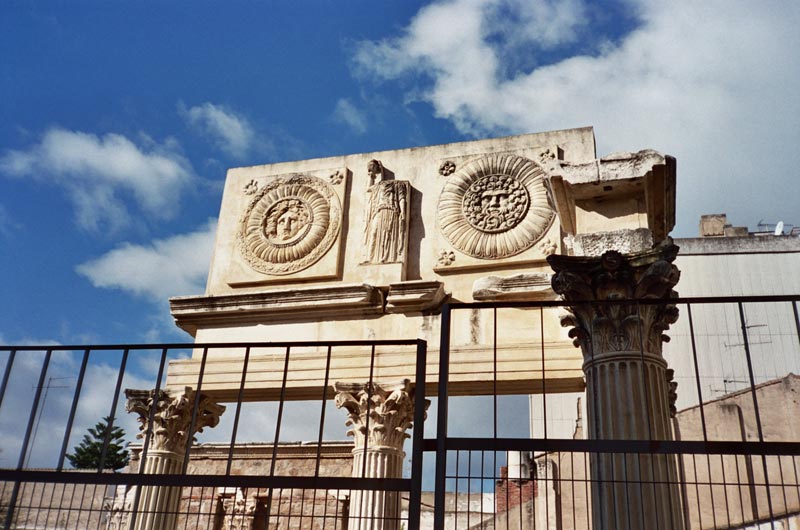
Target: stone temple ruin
{"x": 376, "y": 246}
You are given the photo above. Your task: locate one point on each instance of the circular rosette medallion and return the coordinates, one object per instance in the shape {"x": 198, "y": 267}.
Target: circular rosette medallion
{"x": 495, "y": 207}
{"x": 289, "y": 224}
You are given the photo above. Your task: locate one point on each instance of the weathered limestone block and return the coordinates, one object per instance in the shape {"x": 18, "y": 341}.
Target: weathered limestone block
{"x": 626, "y": 241}
{"x": 525, "y": 286}
{"x": 618, "y": 191}
{"x": 413, "y": 297}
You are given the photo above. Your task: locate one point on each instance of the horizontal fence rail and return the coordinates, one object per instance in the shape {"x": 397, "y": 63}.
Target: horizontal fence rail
{"x": 246, "y": 469}
{"x": 517, "y": 436}
{"x": 729, "y": 457}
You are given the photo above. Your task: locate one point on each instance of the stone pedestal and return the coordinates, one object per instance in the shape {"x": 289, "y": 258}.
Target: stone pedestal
{"x": 628, "y": 392}
{"x": 169, "y": 432}
{"x": 379, "y": 415}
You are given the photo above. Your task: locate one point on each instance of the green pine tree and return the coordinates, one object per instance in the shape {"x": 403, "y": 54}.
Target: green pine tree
{"x": 87, "y": 454}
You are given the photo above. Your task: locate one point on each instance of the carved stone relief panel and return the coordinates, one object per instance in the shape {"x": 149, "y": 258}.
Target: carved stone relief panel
{"x": 495, "y": 207}
{"x": 289, "y": 224}
{"x": 386, "y": 222}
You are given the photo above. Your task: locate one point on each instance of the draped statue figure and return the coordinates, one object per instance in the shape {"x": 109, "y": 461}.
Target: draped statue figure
{"x": 386, "y": 230}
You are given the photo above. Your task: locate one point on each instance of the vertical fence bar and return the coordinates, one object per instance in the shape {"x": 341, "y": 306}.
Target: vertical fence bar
{"x": 73, "y": 409}
{"x": 239, "y": 398}
{"x": 113, "y": 413}
{"x": 196, "y": 405}
{"x": 277, "y": 438}
{"x": 441, "y": 419}
{"x": 34, "y": 408}
{"x": 6, "y": 374}
{"x": 755, "y": 406}
{"x": 415, "y": 495}
{"x": 24, "y": 449}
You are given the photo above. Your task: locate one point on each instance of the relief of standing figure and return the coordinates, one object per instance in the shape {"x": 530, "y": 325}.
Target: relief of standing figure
{"x": 386, "y": 231}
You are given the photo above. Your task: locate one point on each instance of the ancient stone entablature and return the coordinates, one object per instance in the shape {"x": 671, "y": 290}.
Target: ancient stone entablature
{"x": 386, "y": 221}
{"x": 602, "y": 328}
{"x": 172, "y": 417}
{"x": 379, "y": 415}
{"x": 290, "y": 223}
{"x": 495, "y": 207}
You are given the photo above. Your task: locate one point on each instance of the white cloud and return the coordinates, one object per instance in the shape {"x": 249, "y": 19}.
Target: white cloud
{"x": 230, "y": 131}
{"x": 347, "y": 113}
{"x": 168, "y": 267}
{"x": 713, "y": 83}
{"x": 98, "y": 172}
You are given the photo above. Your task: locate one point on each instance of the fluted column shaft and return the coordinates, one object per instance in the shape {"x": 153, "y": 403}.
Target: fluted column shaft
{"x": 170, "y": 432}
{"x": 627, "y": 386}
{"x": 379, "y": 416}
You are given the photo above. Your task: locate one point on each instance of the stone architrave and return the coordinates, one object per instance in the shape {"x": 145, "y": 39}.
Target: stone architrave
{"x": 386, "y": 221}
{"x": 379, "y": 416}
{"x": 627, "y": 387}
{"x": 170, "y": 431}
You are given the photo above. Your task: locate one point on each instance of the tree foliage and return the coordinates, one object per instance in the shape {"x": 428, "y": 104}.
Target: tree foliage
{"x": 87, "y": 454}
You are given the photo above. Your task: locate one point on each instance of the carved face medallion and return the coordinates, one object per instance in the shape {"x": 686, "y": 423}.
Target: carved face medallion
{"x": 289, "y": 224}
{"x": 495, "y": 203}
{"x": 287, "y": 221}
{"x": 495, "y": 207}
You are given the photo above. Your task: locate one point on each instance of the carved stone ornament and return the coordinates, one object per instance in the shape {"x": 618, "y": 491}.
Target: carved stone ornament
{"x": 336, "y": 177}
{"x": 290, "y": 223}
{"x": 446, "y": 257}
{"x": 495, "y": 207}
{"x": 172, "y": 417}
{"x": 603, "y": 328}
{"x": 447, "y": 168}
{"x": 251, "y": 187}
{"x": 239, "y": 511}
{"x": 386, "y": 411}
{"x": 386, "y": 229}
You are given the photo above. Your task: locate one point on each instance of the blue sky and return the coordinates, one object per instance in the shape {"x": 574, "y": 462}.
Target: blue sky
{"x": 119, "y": 120}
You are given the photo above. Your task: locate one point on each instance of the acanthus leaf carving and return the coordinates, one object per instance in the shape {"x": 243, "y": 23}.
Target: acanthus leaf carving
{"x": 171, "y": 416}
{"x": 592, "y": 284}
{"x": 378, "y": 415}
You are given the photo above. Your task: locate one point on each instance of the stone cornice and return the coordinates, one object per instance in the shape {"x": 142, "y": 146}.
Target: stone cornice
{"x": 286, "y": 305}
{"x": 415, "y": 296}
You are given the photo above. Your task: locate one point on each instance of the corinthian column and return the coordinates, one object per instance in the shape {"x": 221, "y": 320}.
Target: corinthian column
{"x": 380, "y": 416}
{"x": 627, "y": 387}
{"x": 169, "y": 435}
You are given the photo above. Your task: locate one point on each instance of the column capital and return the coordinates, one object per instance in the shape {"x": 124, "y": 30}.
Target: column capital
{"x": 605, "y": 328}
{"x": 386, "y": 411}
{"x": 172, "y": 417}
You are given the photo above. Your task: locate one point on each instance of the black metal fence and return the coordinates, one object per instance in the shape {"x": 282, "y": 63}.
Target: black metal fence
{"x": 507, "y": 440}
{"x": 231, "y": 478}
{"x": 736, "y": 426}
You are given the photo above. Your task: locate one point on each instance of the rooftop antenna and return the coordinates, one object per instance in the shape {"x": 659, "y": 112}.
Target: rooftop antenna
{"x": 779, "y": 228}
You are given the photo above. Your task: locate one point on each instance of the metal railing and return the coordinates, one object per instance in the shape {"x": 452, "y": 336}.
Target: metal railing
{"x": 506, "y": 446}
{"x": 273, "y": 491}
{"x": 737, "y": 463}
